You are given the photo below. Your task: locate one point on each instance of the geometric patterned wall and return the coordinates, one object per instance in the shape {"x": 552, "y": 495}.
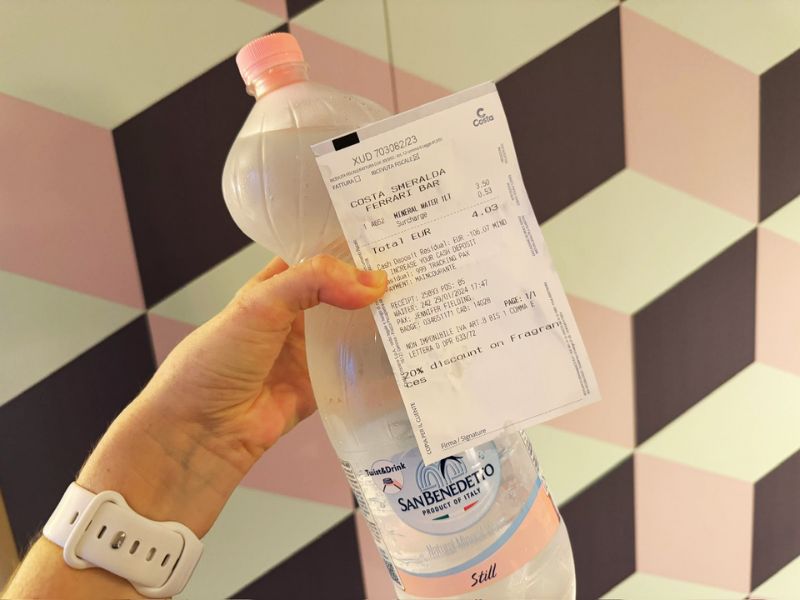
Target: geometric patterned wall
{"x": 660, "y": 144}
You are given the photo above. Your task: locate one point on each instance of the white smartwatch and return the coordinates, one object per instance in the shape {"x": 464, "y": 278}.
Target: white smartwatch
{"x": 101, "y": 530}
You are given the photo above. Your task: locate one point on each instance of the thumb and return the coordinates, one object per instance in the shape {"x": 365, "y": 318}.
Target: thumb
{"x": 247, "y": 337}
{"x": 324, "y": 279}
{"x": 273, "y": 300}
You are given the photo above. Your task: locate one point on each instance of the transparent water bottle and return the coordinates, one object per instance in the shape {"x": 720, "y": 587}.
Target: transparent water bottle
{"x": 479, "y": 524}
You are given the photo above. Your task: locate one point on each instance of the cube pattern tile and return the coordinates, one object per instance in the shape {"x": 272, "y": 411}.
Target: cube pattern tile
{"x": 691, "y": 116}
{"x": 47, "y": 431}
{"x": 44, "y": 327}
{"x": 104, "y": 62}
{"x": 777, "y": 317}
{"x": 565, "y": 113}
{"x": 781, "y": 585}
{"x": 275, "y": 7}
{"x": 456, "y": 43}
{"x": 778, "y": 130}
{"x": 742, "y": 33}
{"x": 251, "y": 523}
{"x": 72, "y": 207}
{"x": 653, "y": 587}
{"x": 702, "y": 328}
{"x": 658, "y": 140}
{"x": 602, "y": 531}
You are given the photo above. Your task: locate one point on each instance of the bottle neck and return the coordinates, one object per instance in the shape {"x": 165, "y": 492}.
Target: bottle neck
{"x": 277, "y": 77}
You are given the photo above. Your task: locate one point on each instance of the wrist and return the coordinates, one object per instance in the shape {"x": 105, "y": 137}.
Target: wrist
{"x": 162, "y": 468}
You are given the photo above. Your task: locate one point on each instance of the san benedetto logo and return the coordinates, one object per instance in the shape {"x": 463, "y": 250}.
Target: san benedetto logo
{"x": 482, "y": 117}
{"x": 444, "y": 497}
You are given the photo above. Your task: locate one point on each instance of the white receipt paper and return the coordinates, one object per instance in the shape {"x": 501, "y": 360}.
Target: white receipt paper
{"x": 475, "y": 321}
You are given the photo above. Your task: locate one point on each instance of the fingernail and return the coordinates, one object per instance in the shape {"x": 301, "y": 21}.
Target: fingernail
{"x": 374, "y": 279}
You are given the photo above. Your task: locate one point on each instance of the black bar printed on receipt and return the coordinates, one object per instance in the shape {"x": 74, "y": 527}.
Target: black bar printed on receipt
{"x": 345, "y": 141}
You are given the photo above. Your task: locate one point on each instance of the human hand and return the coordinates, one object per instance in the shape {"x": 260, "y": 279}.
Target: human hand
{"x": 224, "y": 395}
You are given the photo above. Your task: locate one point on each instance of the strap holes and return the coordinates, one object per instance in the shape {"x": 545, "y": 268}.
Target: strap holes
{"x": 134, "y": 547}
{"x": 118, "y": 540}
{"x": 164, "y": 562}
{"x": 150, "y": 554}
{"x": 102, "y": 531}
{"x": 73, "y": 519}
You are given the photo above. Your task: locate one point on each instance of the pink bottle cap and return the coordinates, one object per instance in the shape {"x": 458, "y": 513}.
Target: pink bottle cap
{"x": 266, "y": 52}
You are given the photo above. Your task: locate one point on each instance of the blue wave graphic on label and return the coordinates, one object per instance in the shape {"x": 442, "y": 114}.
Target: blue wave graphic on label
{"x": 442, "y": 498}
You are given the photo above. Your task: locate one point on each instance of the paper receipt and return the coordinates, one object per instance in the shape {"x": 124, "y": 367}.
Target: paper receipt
{"x": 475, "y": 321}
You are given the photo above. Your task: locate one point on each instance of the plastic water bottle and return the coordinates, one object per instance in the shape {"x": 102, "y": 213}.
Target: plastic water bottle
{"x": 480, "y": 524}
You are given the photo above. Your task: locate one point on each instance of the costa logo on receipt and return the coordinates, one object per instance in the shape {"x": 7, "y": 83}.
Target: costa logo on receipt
{"x": 475, "y": 321}
{"x": 482, "y": 117}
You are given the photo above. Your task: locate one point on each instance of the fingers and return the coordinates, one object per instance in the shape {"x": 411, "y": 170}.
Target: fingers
{"x": 323, "y": 279}
{"x": 275, "y": 266}
{"x": 277, "y": 294}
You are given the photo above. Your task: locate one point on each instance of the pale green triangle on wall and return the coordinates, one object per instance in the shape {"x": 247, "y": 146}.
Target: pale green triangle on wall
{"x": 202, "y": 298}
{"x": 632, "y": 238}
{"x": 355, "y": 23}
{"x": 743, "y": 429}
{"x": 103, "y": 62}
{"x": 784, "y": 584}
{"x": 254, "y": 533}
{"x": 755, "y": 35}
{"x": 652, "y": 587}
{"x": 571, "y": 462}
{"x": 786, "y": 221}
{"x": 459, "y": 43}
{"x": 43, "y": 327}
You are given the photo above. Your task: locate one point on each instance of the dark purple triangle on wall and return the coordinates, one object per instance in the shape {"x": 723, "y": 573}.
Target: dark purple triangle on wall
{"x": 47, "y": 432}
{"x": 601, "y": 528}
{"x": 695, "y": 336}
{"x": 170, "y": 159}
{"x": 564, "y": 109}
{"x": 779, "y": 132}
{"x": 295, "y": 7}
{"x": 329, "y": 567}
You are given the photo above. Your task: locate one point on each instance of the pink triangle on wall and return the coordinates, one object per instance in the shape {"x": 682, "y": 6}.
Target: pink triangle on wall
{"x": 303, "y": 465}
{"x": 346, "y": 68}
{"x": 64, "y": 219}
{"x": 165, "y": 334}
{"x": 377, "y": 583}
{"x": 275, "y": 7}
{"x": 413, "y": 91}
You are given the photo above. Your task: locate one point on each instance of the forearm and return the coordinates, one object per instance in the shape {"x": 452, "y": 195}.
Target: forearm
{"x": 163, "y": 471}
{"x": 44, "y": 574}
{"x": 224, "y": 395}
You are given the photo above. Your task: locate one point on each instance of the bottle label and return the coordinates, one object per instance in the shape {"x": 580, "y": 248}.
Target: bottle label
{"x": 445, "y": 497}
{"x": 363, "y": 505}
{"x": 448, "y": 500}
{"x": 474, "y": 307}
{"x": 523, "y": 539}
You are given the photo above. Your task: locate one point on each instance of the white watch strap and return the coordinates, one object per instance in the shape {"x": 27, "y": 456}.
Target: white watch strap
{"x": 101, "y": 530}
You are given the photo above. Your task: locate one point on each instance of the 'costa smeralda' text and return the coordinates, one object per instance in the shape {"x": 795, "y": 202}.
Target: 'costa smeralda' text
{"x": 399, "y": 191}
